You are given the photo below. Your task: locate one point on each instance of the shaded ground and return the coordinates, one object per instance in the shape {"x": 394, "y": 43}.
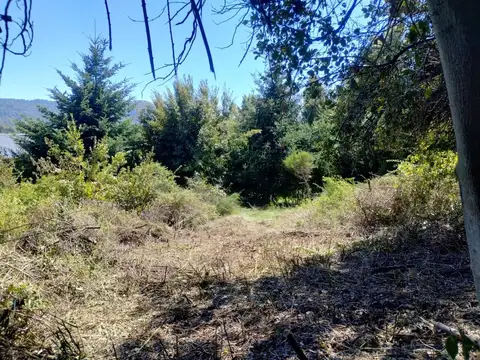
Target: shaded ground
{"x": 238, "y": 287}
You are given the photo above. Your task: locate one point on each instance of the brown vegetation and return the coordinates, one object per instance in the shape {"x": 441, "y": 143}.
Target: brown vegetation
{"x": 127, "y": 287}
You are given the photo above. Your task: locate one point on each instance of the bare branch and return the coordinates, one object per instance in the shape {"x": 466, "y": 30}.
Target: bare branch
{"x": 249, "y": 44}
{"x": 171, "y": 37}
{"x": 149, "y": 40}
{"x": 109, "y": 26}
{"x": 179, "y": 10}
{"x": 204, "y": 36}
{"x": 189, "y": 12}
{"x": 24, "y": 34}
{"x": 228, "y": 19}
{"x": 152, "y": 19}
{"x": 235, "y": 31}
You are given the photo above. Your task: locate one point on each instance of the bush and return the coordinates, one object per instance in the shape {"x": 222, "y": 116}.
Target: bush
{"x": 228, "y": 205}
{"x": 7, "y": 178}
{"x": 180, "y": 209}
{"x": 137, "y": 188}
{"x": 300, "y": 164}
{"x": 23, "y": 335}
{"x": 376, "y": 201}
{"x": 336, "y": 202}
{"x": 428, "y": 187}
{"x": 423, "y": 188}
{"x": 224, "y": 204}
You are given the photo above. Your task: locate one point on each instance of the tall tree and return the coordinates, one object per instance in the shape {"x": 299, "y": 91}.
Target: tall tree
{"x": 94, "y": 101}
{"x": 290, "y": 32}
{"x": 458, "y": 34}
{"x": 257, "y": 173}
{"x": 172, "y": 127}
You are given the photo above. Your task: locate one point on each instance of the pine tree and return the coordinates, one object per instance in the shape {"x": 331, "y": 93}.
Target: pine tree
{"x": 94, "y": 101}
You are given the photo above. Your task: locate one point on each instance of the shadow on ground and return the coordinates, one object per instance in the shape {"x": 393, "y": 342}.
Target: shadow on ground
{"x": 371, "y": 300}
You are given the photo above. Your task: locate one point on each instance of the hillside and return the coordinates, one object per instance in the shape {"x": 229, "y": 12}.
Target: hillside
{"x": 11, "y": 109}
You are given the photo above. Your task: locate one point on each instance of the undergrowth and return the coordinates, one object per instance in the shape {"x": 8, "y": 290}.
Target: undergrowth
{"x": 83, "y": 244}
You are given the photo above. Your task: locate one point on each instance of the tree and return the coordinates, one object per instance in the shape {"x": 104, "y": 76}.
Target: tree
{"x": 257, "y": 173}
{"x": 458, "y": 34}
{"x": 288, "y": 35}
{"x": 172, "y": 127}
{"x": 300, "y": 164}
{"x": 94, "y": 101}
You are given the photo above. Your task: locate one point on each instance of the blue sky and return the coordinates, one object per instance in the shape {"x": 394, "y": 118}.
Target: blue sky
{"x": 62, "y": 27}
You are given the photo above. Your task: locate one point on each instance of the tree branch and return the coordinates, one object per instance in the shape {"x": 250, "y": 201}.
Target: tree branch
{"x": 204, "y": 36}
{"x": 149, "y": 40}
{"x": 109, "y": 26}
{"x": 171, "y": 37}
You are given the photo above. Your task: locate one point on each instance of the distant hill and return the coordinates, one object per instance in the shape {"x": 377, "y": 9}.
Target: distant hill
{"x": 11, "y": 109}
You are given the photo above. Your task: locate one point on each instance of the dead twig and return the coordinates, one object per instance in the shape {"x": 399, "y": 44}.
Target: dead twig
{"x": 109, "y": 26}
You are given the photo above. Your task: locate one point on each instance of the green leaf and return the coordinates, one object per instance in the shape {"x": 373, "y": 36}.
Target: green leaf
{"x": 424, "y": 27}
{"x": 467, "y": 346}
{"x": 418, "y": 61}
{"x": 451, "y": 345}
{"x": 412, "y": 34}
{"x": 428, "y": 93}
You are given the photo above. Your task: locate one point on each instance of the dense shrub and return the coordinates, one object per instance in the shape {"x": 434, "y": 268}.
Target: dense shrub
{"x": 7, "y": 178}
{"x": 135, "y": 189}
{"x": 180, "y": 209}
{"x": 336, "y": 202}
{"x": 423, "y": 188}
{"x": 428, "y": 187}
{"x": 24, "y": 335}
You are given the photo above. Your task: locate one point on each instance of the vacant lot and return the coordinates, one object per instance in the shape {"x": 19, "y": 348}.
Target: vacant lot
{"x": 237, "y": 286}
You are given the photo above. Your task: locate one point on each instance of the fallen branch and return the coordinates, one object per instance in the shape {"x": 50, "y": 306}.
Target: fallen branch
{"x": 459, "y": 336}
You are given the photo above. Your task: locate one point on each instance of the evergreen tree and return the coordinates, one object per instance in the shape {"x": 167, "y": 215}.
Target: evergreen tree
{"x": 258, "y": 173}
{"x": 94, "y": 101}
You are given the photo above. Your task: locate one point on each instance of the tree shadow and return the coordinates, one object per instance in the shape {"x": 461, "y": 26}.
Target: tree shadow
{"x": 373, "y": 299}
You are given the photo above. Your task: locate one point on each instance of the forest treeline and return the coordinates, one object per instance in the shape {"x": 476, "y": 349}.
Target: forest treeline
{"x": 276, "y": 145}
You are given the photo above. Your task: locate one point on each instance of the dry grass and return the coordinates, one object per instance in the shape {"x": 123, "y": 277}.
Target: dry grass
{"x": 235, "y": 287}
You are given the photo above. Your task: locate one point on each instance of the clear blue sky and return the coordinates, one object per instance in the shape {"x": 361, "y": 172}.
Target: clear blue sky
{"x": 62, "y": 27}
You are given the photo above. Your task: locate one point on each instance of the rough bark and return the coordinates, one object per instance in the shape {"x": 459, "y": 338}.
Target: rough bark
{"x": 457, "y": 29}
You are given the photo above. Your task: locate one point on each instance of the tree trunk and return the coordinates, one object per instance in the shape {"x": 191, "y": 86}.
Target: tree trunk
{"x": 457, "y": 29}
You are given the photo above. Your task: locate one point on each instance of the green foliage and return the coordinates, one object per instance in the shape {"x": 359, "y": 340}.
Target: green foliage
{"x": 300, "y": 163}
{"x": 7, "y": 128}
{"x": 228, "y": 205}
{"x": 7, "y": 177}
{"x": 180, "y": 209}
{"x": 224, "y": 204}
{"x": 219, "y": 144}
{"x": 18, "y": 200}
{"x": 21, "y": 336}
{"x": 137, "y": 188}
{"x": 94, "y": 101}
{"x": 69, "y": 174}
{"x": 468, "y": 345}
{"x": 336, "y": 202}
{"x": 423, "y": 188}
{"x": 428, "y": 187}
{"x": 257, "y": 173}
{"x": 172, "y": 128}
